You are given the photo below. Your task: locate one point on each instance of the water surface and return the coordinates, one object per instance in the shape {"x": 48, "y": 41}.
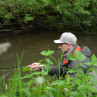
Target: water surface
{"x": 31, "y": 44}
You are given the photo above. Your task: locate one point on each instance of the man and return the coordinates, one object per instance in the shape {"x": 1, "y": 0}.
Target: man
{"x": 67, "y": 45}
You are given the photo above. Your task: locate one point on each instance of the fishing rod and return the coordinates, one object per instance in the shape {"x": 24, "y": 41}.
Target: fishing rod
{"x": 13, "y": 68}
{"x": 9, "y": 68}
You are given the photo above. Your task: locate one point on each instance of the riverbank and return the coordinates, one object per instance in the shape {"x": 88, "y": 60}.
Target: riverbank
{"x": 76, "y": 16}
{"x": 12, "y": 29}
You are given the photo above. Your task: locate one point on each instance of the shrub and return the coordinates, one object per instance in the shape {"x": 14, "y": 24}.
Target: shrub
{"x": 59, "y": 14}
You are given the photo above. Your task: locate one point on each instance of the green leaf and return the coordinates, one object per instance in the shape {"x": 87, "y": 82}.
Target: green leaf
{"x": 27, "y": 92}
{"x": 85, "y": 78}
{"x": 45, "y": 73}
{"x": 41, "y": 60}
{"x": 93, "y": 79}
{"x": 72, "y": 71}
{"x": 82, "y": 65}
{"x": 26, "y": 69}
{"x": 77, "y": 81}
{"x": 81, "y": 87}
{"x": 49, "y": 61}
{"x": 48, "y": 53}
{"x": 89, "y": 69}
{"x": 88, "y": 63}
{"x": 8, "y": 16}
{"x": 93, "y": 60}
{"x": 92, "y": 89}
{"x": 73, "y": 94}
{"x": 28, "y": 76}
{"x": 46, "y": 2}
{"x": 59, "y": 83}
{"x": 76, "y": 66}
{"x": 40, "y": 73}
{"x": 47, "y": 67}
{"x": 80, "y": 71}
{"x": 28, "y": 18}
{"x": 3, "y": 95}
{"x": 77, "y": 56}
{"x": 92, "y": 69}
{"x": 51, "y": 88}
{"x": 72, "y": 57}
{"x": 95, "y": 63}
{"x": 37, "y": 73}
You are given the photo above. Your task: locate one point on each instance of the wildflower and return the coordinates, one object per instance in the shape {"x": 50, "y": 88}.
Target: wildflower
{"x": 40, "y": 80}
{"x": 65, "y": 89}
{"x": 6, "y": 87}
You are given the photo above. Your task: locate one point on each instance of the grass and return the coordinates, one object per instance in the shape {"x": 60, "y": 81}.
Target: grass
{"x": 40, "y": 84}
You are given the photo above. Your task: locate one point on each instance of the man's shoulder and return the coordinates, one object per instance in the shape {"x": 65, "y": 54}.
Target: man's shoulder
{"x": 86, "y": 51}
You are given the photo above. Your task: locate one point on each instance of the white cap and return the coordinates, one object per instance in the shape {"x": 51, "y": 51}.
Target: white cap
{"x": 67, "y": 37}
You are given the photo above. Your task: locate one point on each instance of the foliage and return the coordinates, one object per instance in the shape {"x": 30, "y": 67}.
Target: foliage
{"x": 60, "y": 14}
{"x": 41, "y": 85}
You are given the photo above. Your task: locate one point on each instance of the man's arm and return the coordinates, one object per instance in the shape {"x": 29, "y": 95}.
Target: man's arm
{"x": 53, "y": 69}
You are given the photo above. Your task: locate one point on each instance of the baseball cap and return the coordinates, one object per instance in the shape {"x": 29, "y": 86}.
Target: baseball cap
{"x": 67, "y": 37}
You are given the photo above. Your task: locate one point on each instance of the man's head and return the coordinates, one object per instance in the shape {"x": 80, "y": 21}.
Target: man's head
{"x": 66, "y": 41}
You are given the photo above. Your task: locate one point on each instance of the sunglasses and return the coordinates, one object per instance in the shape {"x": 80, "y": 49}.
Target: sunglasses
{"x": 62, "y": 43}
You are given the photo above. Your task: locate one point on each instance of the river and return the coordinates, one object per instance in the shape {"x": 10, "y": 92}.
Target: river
{"x": 31, "y": 44}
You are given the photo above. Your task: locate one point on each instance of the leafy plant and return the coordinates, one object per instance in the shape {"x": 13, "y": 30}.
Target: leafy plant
{"x": 40, "y": 84}
{"x": 48, "y": 61}
{"x": 53, "y": 14}
{"x": 28, "y": 18}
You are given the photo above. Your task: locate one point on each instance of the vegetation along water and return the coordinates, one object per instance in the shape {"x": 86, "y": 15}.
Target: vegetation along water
{"x": 75, "y": 15}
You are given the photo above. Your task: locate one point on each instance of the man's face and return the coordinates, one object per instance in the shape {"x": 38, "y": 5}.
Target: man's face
{"x": 64, "y": 47}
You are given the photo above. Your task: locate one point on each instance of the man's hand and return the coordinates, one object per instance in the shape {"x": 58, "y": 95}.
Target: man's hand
{"x": 36, "y": 66}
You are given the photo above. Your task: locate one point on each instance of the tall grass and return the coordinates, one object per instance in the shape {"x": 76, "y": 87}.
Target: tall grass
{"x": 40, "y": 84}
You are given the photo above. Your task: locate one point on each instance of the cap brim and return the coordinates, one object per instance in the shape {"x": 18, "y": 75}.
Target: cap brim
{"x": 58, "y": 41}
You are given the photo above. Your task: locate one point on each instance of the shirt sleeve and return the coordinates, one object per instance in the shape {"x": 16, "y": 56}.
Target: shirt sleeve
{"x": 62, "y": 69}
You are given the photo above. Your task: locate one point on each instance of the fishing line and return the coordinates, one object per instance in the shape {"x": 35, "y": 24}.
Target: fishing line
{"x": 8, "y": 69}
